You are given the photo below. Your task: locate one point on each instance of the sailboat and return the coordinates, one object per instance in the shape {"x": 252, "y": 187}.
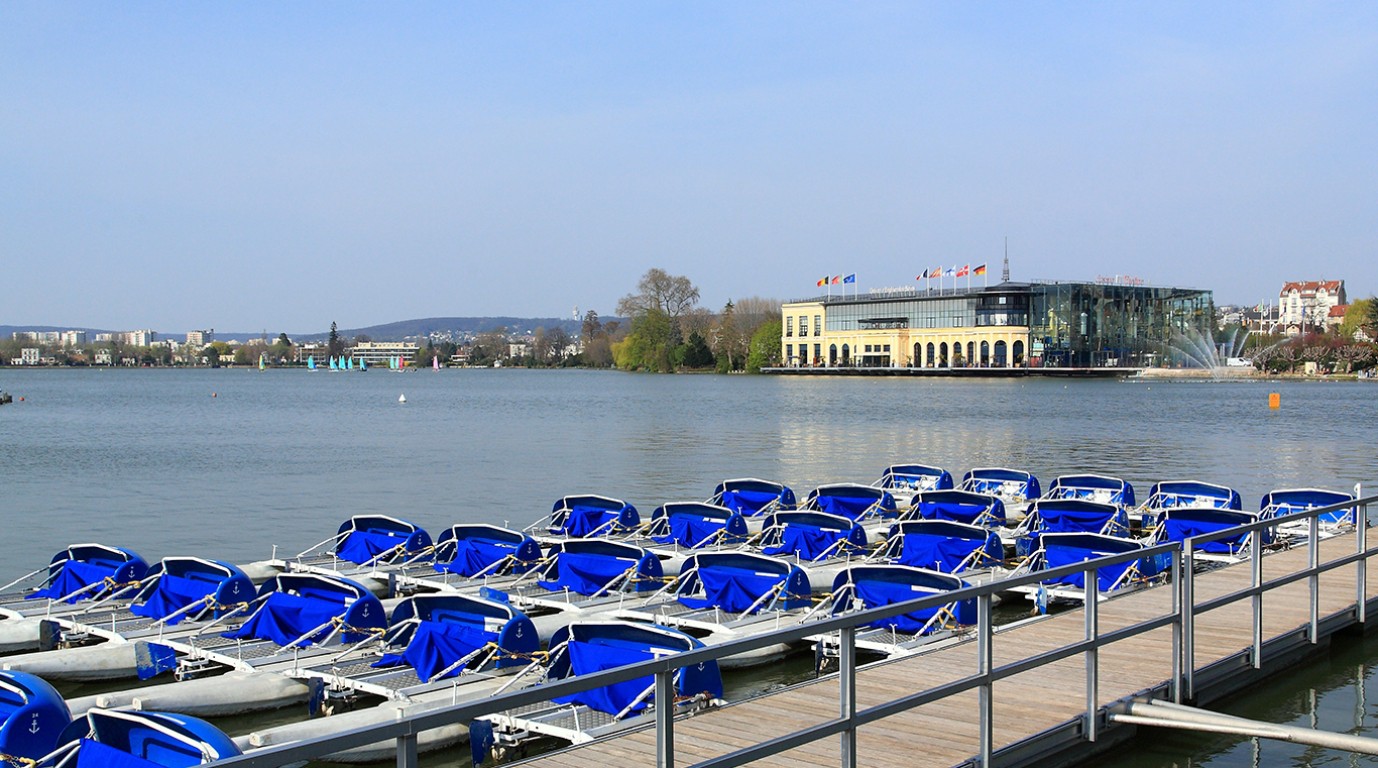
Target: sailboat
{"x": 435, "y": 362}
{"x": 310, "y": 362}
{"x": 334, "y": 366}
{"x": 363, "y": 364}
{"x": 261, "y": 364}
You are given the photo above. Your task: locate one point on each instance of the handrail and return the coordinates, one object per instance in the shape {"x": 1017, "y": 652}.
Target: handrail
{"x": 1180, "y": 618}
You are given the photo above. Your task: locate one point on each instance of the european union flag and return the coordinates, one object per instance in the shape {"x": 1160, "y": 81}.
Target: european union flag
{"x": 850, "y": 278}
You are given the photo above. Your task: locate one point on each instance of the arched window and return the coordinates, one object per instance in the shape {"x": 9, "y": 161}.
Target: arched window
{"x": 846, "y": 355}
{"x": 942, "y": 354}
{"x": 1000, "y": 349}
{"x": 832, "y": 354}
{"x": 971, "y": 353}
{"x": 985, "y": 354}
{"x": 1019, "y": 353}
{"x": 917, "y": 360}
{"x": 930, "y": 361}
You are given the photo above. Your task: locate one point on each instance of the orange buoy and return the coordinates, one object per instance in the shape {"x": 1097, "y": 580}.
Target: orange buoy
{"x": 1274, "y": 400}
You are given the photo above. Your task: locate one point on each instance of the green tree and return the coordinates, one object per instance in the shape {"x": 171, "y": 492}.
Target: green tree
{"x": 1371, "y": 318}
{"x": 659, "y": 291}
{"x": 696, "y": 352}
{"x": 335, "y": 345}
{"x": 764, "y": 350}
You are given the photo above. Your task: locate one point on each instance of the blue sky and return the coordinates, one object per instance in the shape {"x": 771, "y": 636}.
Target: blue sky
{"x": 281, "y": 165}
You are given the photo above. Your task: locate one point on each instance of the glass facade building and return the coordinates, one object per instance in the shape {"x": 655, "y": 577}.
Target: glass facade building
{"x": 1049, "y": 324}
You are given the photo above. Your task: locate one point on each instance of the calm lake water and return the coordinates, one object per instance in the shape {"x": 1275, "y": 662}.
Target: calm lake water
{"x": 229, "y": 463}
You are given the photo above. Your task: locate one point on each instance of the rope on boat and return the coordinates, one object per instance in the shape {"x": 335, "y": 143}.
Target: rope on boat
{"x": 342, "y": 626}
{"x": 17, "y": 761}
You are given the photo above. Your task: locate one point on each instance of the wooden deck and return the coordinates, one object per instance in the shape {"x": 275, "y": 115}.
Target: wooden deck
{"x": 1037, "y": 714}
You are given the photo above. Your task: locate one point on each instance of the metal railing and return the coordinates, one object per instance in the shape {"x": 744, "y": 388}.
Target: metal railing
{"x": 1181, "y": 618}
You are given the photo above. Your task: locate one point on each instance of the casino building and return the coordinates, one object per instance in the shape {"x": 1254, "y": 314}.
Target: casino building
{"x": 1109, "y": 323}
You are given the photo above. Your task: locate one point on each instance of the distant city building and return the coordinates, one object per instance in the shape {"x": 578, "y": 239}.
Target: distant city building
{"x": 103, "y": 357}
{"x": 200, "y": 339}
{"x": 1049, "y": 324}
{"x": 376, "y": 352}
{"x": 73, "y": 339}
{"x": 517, "y": 350}
{"x": 28, "y": 356}
{"x": 1336, "y": 316}
{"x": 47, "y": 338}
{"x": 303, "y": 352}
{"x": 1305, "y": 305}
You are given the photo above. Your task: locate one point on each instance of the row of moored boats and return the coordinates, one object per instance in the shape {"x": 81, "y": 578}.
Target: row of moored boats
{"x": 382, "y": 620}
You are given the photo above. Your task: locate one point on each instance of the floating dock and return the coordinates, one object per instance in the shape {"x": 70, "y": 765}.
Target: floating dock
{"x": 1038, "y": 714}
{"x": 956, "y": 373}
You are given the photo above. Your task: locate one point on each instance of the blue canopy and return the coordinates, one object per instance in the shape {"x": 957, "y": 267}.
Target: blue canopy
{"x": 750, "y": 496}
{"x": 812, "y": 536}
{"x": 874, "y": 586}
{"x": 944, "y": 546}
{"x": 596, "y": 646}
{"x": 120, "y": 738}
{"x": 1192, "y": 493}
{"x": 1003, "y": 482}
{"x": 1099, "y": 488}
{"x": 439, "y": 630}
{"x": 589, "y": 566}
{"x": 1050, "y": 515}
{"x": 741, "y": 581}
{"x": 959, "y": 507}
{"x": 80, "y": 566}
{"x": 181, "y": 582}
{"x": 32, "y": 715}
{"x": 915, "y": 477}
{"x": 1059, "y": 549}
{"x": 295, "y": 604}
{"x": 589, "y": 516}
{"x": 695, "y": 524}
{"x": 478, "y": 549}
{"x": 1293, "y": 500}
{"x": 852, "y": 500}
{"x": 365, "y": 539}
{"x": 1180, "y": 523}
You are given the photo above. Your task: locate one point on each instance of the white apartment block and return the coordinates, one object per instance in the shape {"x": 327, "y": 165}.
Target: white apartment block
{"x": 1305, "y": 305}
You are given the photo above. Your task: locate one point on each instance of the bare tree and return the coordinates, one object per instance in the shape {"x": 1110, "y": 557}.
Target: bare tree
{"x": 672, "y": 294}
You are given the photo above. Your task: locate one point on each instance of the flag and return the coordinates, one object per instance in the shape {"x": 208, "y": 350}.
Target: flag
{"x": 935, "y": 272}
{"x": 1260, "y": 307}
{"x": 951, "y": 272}
{"x": 850, "y": 278}
{"x": 822, "y": 282}
{"x": 837, "y": 279}
{"x": 981, "y": 270}
{"x": 964, "y": 271}
{"x": 924, "y": 276}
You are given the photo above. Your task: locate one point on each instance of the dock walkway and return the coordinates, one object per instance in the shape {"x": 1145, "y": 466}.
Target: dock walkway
{"x": 1039, "y": 714}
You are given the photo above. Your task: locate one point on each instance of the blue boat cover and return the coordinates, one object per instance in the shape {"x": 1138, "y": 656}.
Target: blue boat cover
{"x": 436, "y": 645}
{"x": 284, "y": 617}
{"x": 93, "y": 754}
{"x": 593, "y": 649}
{"x": 1068, "y": 549}
{"x": 997, "y": 481}
{"x": 693, "y": 525}
{"x": 736, "y": 582}
{"x": 364, "y": 538}
{"x": 141, "y": 739}
{"x": 173, "y": 593}
{"x": 70, "y": 574}
{"x": 587, "y": 572}
{"x": 32, "y": 715}
{"x": 1180, "y": 523}
{"x": 1286, "y": 502}
{"x": 852, "y": 501}
{"x": 812, "y": 536}
{"x": 751, "y": 497}
{"x": 946, "y": 548}
{"x": 916, "y": 477}
{"x": 585, "y": 516}
{"x": 1070, "y": 516}
{"x": 960, "y": 507}
{"x": 481, "y": 553}
{"x": 877, "y": 586}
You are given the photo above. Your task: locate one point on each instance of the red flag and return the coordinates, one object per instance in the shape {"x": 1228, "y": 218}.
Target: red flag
{"x": 837, "y": 279}
{"x": 964, "y": 271}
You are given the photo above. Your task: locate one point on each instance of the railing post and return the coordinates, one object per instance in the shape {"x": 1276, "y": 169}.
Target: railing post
{"x": 1189, "y": 620}
{"x": 846, "y": 677}
{"x": 406, "y": 751}
{"x": 665, "y": 718}
{"x": 1361, "y": 574}
{"x": 1315, "y": 579}
{"x": 1256, "y": 569}
{"x": 1091, "y": 587}
{"x": 985, "y": 663}
{"x": 1177, "y": 680}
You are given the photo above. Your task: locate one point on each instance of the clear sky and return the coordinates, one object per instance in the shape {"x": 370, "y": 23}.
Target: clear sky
{"x": 278, "y": 166}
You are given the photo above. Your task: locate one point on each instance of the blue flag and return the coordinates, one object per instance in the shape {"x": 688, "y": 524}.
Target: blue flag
{"x": 850, "y": 278}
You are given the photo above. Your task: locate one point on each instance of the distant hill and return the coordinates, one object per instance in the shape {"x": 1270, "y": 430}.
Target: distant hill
{"x": 402, "y": 329}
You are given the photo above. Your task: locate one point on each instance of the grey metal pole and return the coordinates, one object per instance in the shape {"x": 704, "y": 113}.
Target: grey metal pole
{"x": 406, "y": 751}
{"x": 1189, "y": 621}
{"x": 1092, "y": 610}
{"x": 1256, "y": 568}
{"x": 984, "y": 663}
{"x": 846, "y": 676}
{"x": 665, "y": 719}
{"x": 1361, "y": 574}
{"x": 1315, "y": 579}
{"x": 1177, "y": 680}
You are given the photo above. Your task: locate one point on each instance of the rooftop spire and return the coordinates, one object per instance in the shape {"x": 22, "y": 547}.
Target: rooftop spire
{"x": 1005, "y": 273}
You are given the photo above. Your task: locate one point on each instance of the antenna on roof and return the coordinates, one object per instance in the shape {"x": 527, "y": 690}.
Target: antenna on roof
{"x": 1005, "y": 274}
